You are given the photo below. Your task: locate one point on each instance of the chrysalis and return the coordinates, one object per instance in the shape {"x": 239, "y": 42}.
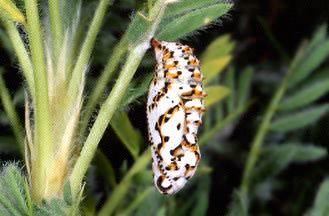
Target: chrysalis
{"x": 174, "y": 111}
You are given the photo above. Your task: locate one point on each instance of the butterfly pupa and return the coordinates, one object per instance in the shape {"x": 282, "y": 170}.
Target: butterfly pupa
{"x": 174, "y": 111}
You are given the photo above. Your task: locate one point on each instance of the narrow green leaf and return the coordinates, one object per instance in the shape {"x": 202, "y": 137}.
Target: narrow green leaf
{"x": 319, "y": 36}
{"x": 183, "y": 7}
{"x": 8, "y": 10}
{"x": 276, "y": 158}
{"x": 215, "y": 93}
{"x": 298, "y": 120}
{"x": 173, "y": 28}
{"x": 309, "y": 61}
{"x": 239, "y": 205}
{"x": 305, "y": 96}
{"x": 129, "y": 136}
{"x": 321, "y": 203}
{"x": 220, "y": 47}
{"x": 106, "y": 168}
{"x": 245, "y": 80}
{"x": 211, "y": 69}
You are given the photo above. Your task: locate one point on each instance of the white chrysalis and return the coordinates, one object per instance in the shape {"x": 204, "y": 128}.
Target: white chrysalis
{"x": 174, "y": 111}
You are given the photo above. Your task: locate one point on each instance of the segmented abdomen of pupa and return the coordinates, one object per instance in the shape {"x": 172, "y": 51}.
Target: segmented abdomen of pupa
{"x": 174, "y": 111}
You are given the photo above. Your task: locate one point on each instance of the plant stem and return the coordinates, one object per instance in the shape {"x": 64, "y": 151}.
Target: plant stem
{"x": 56, "y": 25}
{"x": 22, "y": 56}
{"x": 87, "y": 47}
{"x": 43, "y": 135}
{"x": 9, "y": 108}
{"x": 102, "y": 81}
{"x": 261, "y": 133}
{"x": 113, "y": 100}
{"x": 122, "y": 188}
{"x": 105, "y": 114}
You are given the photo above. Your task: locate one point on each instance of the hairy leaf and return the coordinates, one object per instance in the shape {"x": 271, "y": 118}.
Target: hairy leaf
{"x": 172, "y": 28}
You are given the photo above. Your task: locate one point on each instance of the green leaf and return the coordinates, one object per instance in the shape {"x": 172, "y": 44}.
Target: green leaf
{"x": 67, "y": 193}
{"x": 8, "y": 10}
{"x": 13, "y": 193}
{"x": 106, "y": 168}
{"x": 239, "y": 205}
{"x": 183, "y": 7}
{"x": 276, "y": 158}
{"x": 173, "y": 28}
{"x": 308, "y": 59}
{"x": 305, "y": 96}
{"x": 298, "y": 120}
{"x": 129, "y": 136}
{"x": 211, "y": 69}
{"x": 245, "y": 80}
{"x": 215, "y": 93}
{"x": 137, "y": 29}
{"x": 220, "y": 47}
{"x": 321, "y": 203}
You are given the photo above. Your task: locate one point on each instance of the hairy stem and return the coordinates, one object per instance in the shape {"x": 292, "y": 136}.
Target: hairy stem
{"x": 87, "y": 47}
{"x": 43, "y": 135}
{"x": 56, "y": 26}
{"x": 119, "y": 50}
{"x": 22, "y": 55}
{"x": 112, "y": 102}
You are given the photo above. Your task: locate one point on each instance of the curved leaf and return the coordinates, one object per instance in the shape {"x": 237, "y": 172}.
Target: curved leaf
{"x": 300, "y": 119}
{"x": 172, "y": 28}
{"x": 305, "y": 96}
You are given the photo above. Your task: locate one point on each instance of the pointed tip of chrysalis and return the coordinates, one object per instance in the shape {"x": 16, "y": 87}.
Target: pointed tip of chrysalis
{"x": 155, "y": 43}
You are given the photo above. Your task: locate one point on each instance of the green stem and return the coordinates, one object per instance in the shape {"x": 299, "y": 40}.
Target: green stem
{"x": 11, "y": 113}
{"x": 87, "y": 47}
{"x": 22, "y": 56}
{"x": 43, "y": 135}
{"x": 102, "y": 81}
{"x": 113, "y": 101}
{"x": 105, "y": 114}
{"x": 56, "y": 26}
{"x": 121, "y": 189}
{"x": 261, "y": 133}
